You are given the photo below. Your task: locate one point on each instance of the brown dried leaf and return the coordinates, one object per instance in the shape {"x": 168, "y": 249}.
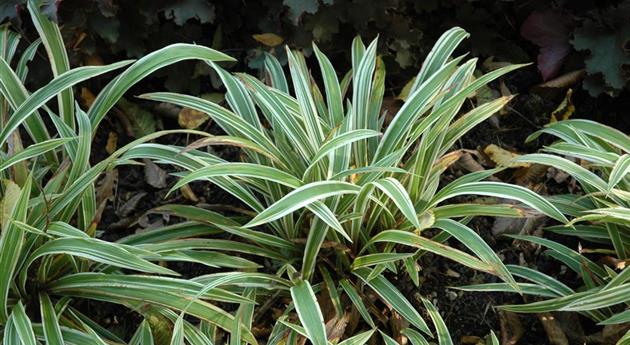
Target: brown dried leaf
{"x": 511, "y": 328}
{"x": 503, "y": 157}
{"x": 106, "y": 187}
{"x": 154, "y": 175}
{"x": 530, "y": 175}
{"x": 564, "y": 110}
{"x": 112, "y": 142}
{"x": 554, "y": 333}
{"x": 130, "y": 205}
{"x": 93, "y": 60}
{"x": 471, "y": 340}
{"x": 468, "y": 163}
{"x": 191, "y": 119}
{"x": 188, "y": 193}
{"x": 564, "y": 80}
{"x": 269, "y": 39}
{"x": 87, "y": 97}
{"x": 335, "y": 328}
{"x": 612, "y": 333}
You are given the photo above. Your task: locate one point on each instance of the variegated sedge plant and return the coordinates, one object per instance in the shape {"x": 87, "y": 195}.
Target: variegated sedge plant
{"x": 601, "y": 219}
{"x": 51, "y": 259}
{"x": 334, "y": 200}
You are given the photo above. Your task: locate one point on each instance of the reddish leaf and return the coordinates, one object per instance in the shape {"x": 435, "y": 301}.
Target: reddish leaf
{"x": 550, "y": 31}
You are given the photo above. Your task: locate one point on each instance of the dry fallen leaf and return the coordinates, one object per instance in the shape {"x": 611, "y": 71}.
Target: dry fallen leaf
{"x": 188, "y": 193}
{"x": 269, "y": 39}
{"x": 191, "y": 119}
{"x": 469, "y": 164}
{"x": 554, "y": 333}
{"x": 87, "y": 97}
{"x": 130, "y": 205}
{"x": 154, "y": 175}
{"x": 471, "y": 339}
{"x": 112, "y": 142}
{"x": 511, "y": 328}
{"x": 503, "y": 157}
{"x": 564, "y": 110}
{"x": 93, "y": 60}
{"x": 564, "y": 80}
{"x": 335, "y": 328}
{"x": 105, "y": 192}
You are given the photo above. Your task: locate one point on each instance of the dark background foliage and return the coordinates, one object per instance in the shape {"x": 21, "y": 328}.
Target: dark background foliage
{"x": 562, "y": 36}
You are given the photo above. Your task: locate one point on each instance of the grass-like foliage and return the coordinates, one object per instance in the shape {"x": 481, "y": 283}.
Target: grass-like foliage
{"x": 335, "y": 199}
{"x": 50, "y": 256}
{"x": 601, "y": 219}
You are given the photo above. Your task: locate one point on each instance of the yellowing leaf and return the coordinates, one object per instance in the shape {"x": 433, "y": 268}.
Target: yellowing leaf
{"x": 269, "y": 39}
{"x": 190, "y": 118}
{"x": 404, "y": 93}
{"x": 11, "y": 194}
{"x": 503, "y": 157}
{"x": 564, "y": 110}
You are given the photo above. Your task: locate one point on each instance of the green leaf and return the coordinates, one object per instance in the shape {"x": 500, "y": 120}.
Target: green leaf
{"x": 22, "y": 325}
{"x": 342, "y": 140}
{"x": 378, "y": 258}
{"x": 333, "y": 90}
{"x": 143, "y": 335}
{"x": 15, "y": 94}
{"x": 50, "y": 322}
{"x": 397, "y": 193}
{"x": 302, "y": 197}
{"x": 503, "y": 190}
{"x": 358, "y": 339}
{"x": 388, "y": 292}
{"x": 99, "y": 251}
{"x": 601, "y": 299}
{"x": 444, "y": 336}
{"x": 142, "y": 68}
{"x": 60, "y": 83}
{"x": 309, "y": 313}
{"x": 232, "y": 123}
{"x": 570, "y": 257}
{"x": 302, "y": 87}
{"x": 11, "y": 242}
{"x": 619, "y": 318}
{"x": 33, "y": 151}
{"x": 387, "y": 339}
{"x": 477, "y": 245}
{"x": 414, "y": 336}
{"x": 240, "y": 170}
{"x": 619, "y": 172}
{"x": 439, "y": 54}
{"x": 53, "y": 42}
{"x": 357, "y": 301}
{"x": 411, "y": 239}
{"x": 167, "y": 292}
{"x": 581, "y": 174}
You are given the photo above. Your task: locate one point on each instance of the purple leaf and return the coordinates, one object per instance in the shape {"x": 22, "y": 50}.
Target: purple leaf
{"x": 550, "y": 31}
